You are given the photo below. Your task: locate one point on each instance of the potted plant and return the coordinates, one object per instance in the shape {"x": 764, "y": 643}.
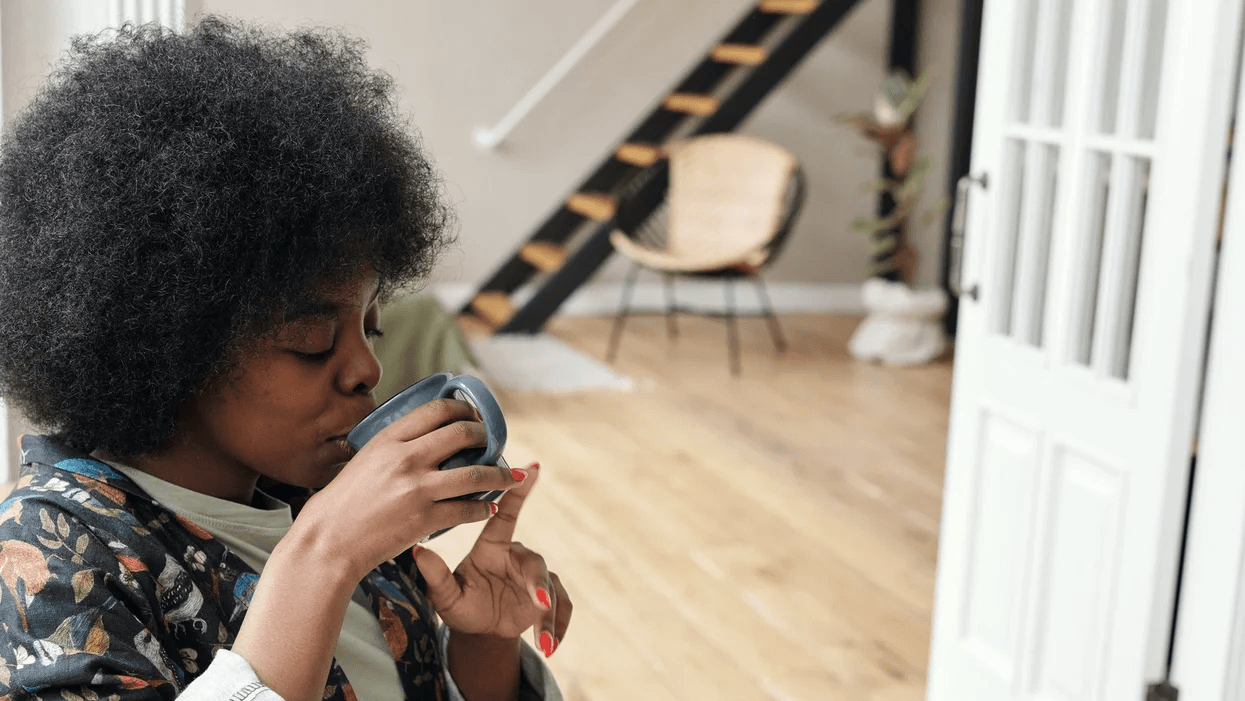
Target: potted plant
{"x": 902, "y": 326}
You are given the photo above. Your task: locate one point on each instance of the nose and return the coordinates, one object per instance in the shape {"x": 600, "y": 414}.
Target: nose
{"x": 362, "y": 370}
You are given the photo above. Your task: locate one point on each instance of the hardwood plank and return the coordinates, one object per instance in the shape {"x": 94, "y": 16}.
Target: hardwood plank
{"x": 776, "y": 530}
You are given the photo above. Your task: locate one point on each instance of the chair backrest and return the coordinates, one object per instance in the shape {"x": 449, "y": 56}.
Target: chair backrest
{"x": 726, "y": 193}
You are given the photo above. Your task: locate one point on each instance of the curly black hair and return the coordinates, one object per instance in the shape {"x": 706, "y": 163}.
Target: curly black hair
{"x": 166, "y": 199}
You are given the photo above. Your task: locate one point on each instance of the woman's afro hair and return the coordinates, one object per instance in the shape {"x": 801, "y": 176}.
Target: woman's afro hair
{"x": 166, "y": 199}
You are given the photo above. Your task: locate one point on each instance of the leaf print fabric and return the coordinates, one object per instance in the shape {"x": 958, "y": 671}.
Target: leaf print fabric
{"x": 107, "y": 595}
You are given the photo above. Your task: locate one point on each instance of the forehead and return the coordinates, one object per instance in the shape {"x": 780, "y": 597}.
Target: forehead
{"x": 329, "y": 300}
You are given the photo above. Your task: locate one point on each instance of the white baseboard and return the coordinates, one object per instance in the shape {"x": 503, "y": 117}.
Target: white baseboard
{"x": 602, "y": 298}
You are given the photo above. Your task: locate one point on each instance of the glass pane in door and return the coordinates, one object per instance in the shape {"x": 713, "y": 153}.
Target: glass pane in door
{"x": 1010, "y": 218}
{"x": 1092, "y": 224}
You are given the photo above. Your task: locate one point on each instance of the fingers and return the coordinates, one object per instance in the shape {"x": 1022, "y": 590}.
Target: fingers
{"x": 549, "y": 597}
{"x": 443, "y": 590}
{"x": 448, "y": 484}
{"x": 447, "y": 514}
{"x": 429, "y": 417}
{"x": 500, "y": 530}
{"x": 562, "y": 611}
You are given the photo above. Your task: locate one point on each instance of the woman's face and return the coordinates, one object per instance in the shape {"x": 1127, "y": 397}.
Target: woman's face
{"x": 285, "y": 416}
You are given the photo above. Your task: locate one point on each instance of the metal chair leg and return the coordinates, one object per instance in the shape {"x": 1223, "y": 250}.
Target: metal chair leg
{"x": 672, "y": 330}
{"x": 732, "y": 331}
{"x": 624, "y": 307}
{"x": 775, "y": 331}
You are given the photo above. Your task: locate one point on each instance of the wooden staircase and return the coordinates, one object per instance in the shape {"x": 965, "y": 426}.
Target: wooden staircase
{"x": 748, "y": 62}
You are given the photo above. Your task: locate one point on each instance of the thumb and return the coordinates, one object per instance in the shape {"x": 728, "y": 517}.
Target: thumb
{"x": 443, "y": 589}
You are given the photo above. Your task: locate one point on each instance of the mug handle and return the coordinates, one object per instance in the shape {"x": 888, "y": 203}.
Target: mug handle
{"x": 479, "y": 395}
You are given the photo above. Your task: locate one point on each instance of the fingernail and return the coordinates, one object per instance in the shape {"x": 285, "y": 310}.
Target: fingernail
{"x": 556, "y": 643}
{"x": 534, "y": 466}
{"x": 543, "y": 597}
{"x": 415, "y": 551}
{"x": 492, "y": 507}
{"x": 517, "y": 474}
{"x": 546, "y": 643}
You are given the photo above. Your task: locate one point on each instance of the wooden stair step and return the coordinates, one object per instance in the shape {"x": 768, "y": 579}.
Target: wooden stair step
{"x": 687, "y": 103}
{"x": 643, "y": 155}
{"x": 788, "y": 7}
{"x": 543, "y": 255}
{"x": 597, "y": 206}
{"x": 473, "y": 326}
{"x": 741, "y": 54}
{"x": 493, "y": 307}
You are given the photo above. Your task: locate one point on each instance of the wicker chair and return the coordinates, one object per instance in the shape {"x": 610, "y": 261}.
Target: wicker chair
{"x": 727, "y": 208}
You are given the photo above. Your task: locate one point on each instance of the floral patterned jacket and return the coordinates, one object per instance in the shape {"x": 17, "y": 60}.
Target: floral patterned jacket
{"x": 105, "y": 594}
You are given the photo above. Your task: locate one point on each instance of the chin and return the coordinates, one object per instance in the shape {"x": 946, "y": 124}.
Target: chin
{"x": 321, "y": 478}
{"x": 315, "y": 473}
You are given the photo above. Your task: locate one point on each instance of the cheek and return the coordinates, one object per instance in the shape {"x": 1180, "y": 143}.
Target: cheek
{"x": 269, "y": 418}
{"x": 292, "y": 396}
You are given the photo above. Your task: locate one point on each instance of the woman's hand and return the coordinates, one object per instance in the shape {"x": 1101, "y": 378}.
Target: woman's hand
{"x": 501, "y": 588}
{"x": 391, "y": 495}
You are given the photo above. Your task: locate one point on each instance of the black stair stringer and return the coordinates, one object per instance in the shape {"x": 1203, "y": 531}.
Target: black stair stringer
{"x": 660, "y": 123}
{"x": 587, "y": 258}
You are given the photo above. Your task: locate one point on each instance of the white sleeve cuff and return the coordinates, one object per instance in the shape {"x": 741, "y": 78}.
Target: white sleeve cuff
{"x": 531, "y": 665}
{"x": 229, "y": 677}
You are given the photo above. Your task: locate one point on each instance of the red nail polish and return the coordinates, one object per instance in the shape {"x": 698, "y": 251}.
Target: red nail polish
{"x": 517, "y": 474}
{"x": 534, "y": 466}
{"x": 543, "y": 597}
{"x": 555, "y": 646}
{"x": 415, "y": 551}
{"x": 492, "y": 507}
{"x": 546, "y": 643}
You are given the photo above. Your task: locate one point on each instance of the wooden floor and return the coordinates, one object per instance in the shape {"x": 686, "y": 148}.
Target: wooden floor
{"x": 767, "y": 537}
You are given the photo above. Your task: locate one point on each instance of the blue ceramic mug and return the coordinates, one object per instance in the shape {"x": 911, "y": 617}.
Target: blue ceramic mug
{"x": 444, "y": 385}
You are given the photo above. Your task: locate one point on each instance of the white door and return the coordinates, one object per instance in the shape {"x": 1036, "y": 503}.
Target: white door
{"x": 1101, "y": 130}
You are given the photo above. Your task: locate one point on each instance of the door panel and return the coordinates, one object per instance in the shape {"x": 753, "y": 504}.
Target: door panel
{"x": 1076, "y": 575}
{"x": 1001, "y": 541}
{"x": 1101, "y": 126}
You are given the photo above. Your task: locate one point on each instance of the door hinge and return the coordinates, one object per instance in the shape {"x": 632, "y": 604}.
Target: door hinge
{"x": 1162, "y": 691}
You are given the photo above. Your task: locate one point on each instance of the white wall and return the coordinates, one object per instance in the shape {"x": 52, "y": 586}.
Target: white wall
{"x": 465, "y": 64}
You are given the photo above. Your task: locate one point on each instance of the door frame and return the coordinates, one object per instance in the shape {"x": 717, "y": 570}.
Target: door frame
{"x": 1208, "y": 660}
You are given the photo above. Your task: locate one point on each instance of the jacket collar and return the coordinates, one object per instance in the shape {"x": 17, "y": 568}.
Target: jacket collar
{"x": 48, "y": 451}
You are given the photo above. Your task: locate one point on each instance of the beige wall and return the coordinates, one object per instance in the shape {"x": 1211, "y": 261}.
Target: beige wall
{"x": 939, "y": 54}
{"x": 464, "y": 64}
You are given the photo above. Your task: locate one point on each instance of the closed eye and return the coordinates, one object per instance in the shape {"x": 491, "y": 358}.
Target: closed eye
{"x": 325, "y": 354}
{"x": 314, "y": 357}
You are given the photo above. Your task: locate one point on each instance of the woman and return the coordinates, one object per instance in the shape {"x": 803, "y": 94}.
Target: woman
{"x": 196, "y": 233}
